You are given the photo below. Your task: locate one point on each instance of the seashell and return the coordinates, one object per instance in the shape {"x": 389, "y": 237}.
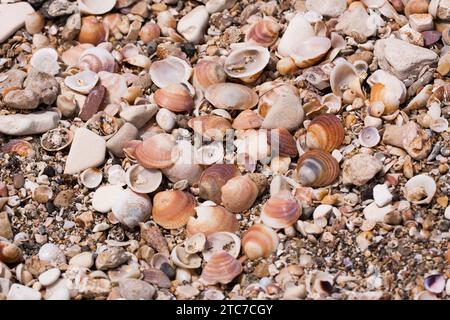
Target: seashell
{"x": 195, "y": 244}
{"x": 280, "y": 165}
{"x": 185, "y": 260}
{"x": 157, "y": 152}
{"x": 169, "y": 71}
{"x": 213, "y": 179}
{"x": 50, "y": 253}
{"x": 280, "y": 107}
{"x": 185, "y": 168}
{"x": 209, "y": 154}
{"x": 131, "y": 208}
{"x": 254, "y": 145}
{"x": 149, "y": 32}
{"x": 96, "y": 60}
{"x": 82, "y": 82}
{"x": 282, "y": 142}
{"x": 369, "y": 137}
{"x": 42, "y": 194}
{"x": 281, "y": 210}
{"x": 434, "y": 283}
{"x": 45, "y": 60}
{"x": 56, "y": 139}
{"x": 174, "y": 97}
{"x": 155, "y": 239}
{"x": 325, "y": 133}
{"x": 439, "y": 125}
{"x": 222, "y": 241}
{"x": 344, "y": 77}
{"x": 166, "y": 119}
{"x": 21, "y": 148}
{"x": 376, "y": 109}
{"x": 115, "y": 84}
{"x": 332, "y": 102}
{"x": 211, "y": 219}
{"x": 387, "y": 89}
{"x": 298, "y": 29}
{"x": 91, "y": 178}
{"x": 139, "y": 60}
{"x": 96, "y": 7}
{"x": 92, "y": 31}
{"x": 213, "y": 294}
{"x": 156, "y": 277}
{"x": 210, "y": 127}
{"x": 231, "y": 96}
{"x": 129, "y": 149}
{"x": 10, "y": 253}
{"x": 159, "y": 260}
{"x": 72, "y": 56}
{"x": 239, "y": 193}
{"x": 247, "y": 62}
{"x": 116, "y": 175}
{"x": 173, "y": 208}
{"x": 416, "y": 6}
{"x": 263, "y": 32}
{"x": 221, "y": 268}
{"x": 192, "y": 26}
{"x": 34, "y": 23}
{"x": 142, "y": 180}
{"x": 286, "y": 65}
{"x": 317, "y": 168}
{"x": 259, "y": 241}
{"x": 310, "y": 51}
{"x": 207, "y": 73}
{"x": 420, "y": 189}
{"x": 247, "y": 119}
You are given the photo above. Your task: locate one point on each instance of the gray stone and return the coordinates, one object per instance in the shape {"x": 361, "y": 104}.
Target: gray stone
{"x": 44, "y": 85}
{"x": 22, "y": 99}
{"x": 360, "y": 169}
{"x": 111, "y": 258}
{"x": 72, "y": 27}
{"x": 134, "y": 289}
{"x": 28, "y": 124}
{"x": 139, "y": 115}
{"x": 58, "y": 8}
{"x": 20, "y": 292}
{"x": 126, "y": 133}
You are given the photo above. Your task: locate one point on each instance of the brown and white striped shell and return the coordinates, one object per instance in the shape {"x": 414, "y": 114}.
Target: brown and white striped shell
{"x": 259, "y": 241}
{"x": 207, "y": 73}
{"x": 214, "y": 178}
{"x": 211, "y": 219}
{"x": 325, "y": 133}
{"x": 263, "y": 32}
{"x": 317, "y": 168}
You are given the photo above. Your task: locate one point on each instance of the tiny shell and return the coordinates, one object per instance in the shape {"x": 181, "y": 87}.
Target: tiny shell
{"x": 219, "y": 241}
{"x": 157, "y": 152}
{"x": 209, "y": 154}
{"x": 325, "y": 132}
{"x": 155, "y": 239}
{"x": 369, "y": 137}
{"x": 170, "y": 70}
{"x": 173, "y": 208}
{"x": 317, "y": 168}
{"x": 239, "y": 193}
{"x": 221, "y": 268}
{"x": 420, "y": 189}
{"x": 82, "y": 82}
{"x": 259, "y": 241}
{"x": 212, "y": 180}
{"x": 20, "y": 147}
{"x": 231, "y": 96}
{"x": 91, "y": 178}
{"x": 211, "y": 219}
{"x": 281, "y": 210}
{"x": 174, "y": 97}
{"x": 142, "y": 180}
{"x": 45, "y": 60}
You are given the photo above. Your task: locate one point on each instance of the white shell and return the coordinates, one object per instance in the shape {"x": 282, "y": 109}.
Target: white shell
{"x": 310, "y": 50}
{"x": 332, "y": 102}
{"x": 209, "y": 154}
{"x": 45, "y": 60}
{"x": 298, "y": 29}
{"x": 82, "y": 82}
{"x": 195, "y": 243}
{"x": 116, "y": 175}
{"x": 142, "y": 180}
{"x": 344, "y": 76}
{"x": 246, "y": 61}
{"x": 439, "y": 125}
{"x": 218, "y": 241}
{"x": 170, "y": 70}
{"x": 104, "y": 197}
{"x": 183, "y": 259}
{"x": 369, "y": 137}
{"x": 420, "y": 183}
{"x": 96, "y": 7}
{"x": 130, "y": 208}
{"x": 91, "y": 178}
{"x": 434, "y": 283}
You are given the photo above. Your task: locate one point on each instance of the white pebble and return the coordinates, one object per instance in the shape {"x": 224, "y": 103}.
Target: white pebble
{"x": 382, "y": 195}
{"x": 447, "y": 213}
{"x": 49, "y": 277}
{"x": 20, "y": 292}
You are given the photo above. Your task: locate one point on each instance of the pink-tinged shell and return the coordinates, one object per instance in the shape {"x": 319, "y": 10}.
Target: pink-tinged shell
{"x": 221, "y": 268}
{"x": 434, "y": 283}
{"x": 211, "y": 219}
{"x": 214, "y": 178}
{"x": 157, "y": 152}
{"x": 231, "y": 96}
{"x": 92, "y": 31}
{"x": 263, "y": 32}
{"x": 173, "y": 208}
{"x": 282, "y": 142}
{"x": 239, "y": 194}
{"x": 210, "y": 126}
{"x": 170, "y": 70}
{"x": 207, "y": 73}
{"x": 369, "y": 137}
{"x": 115, "y": 84}
{"x": 20, "y": 147}
{"x": 155, "y": 239}
{"x": 149, "y": 32}
{"x": 72, "y": 56}
{"x": 247, "y": 62}
{"x": 97, "y": 59}
{"x": 310, "y": 51}
{"x": 129, "y": 149}
{"x": 221, "y": 241}
{"x": 247, "y": 119}
{"x": 259, "y": 241}
{"x": 281, "y": 210}
{"x": 174, "y": 97}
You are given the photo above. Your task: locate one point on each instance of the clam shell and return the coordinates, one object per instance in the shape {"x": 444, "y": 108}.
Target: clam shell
{"x": 169, "y": 71}
{"x": 259, "y": 241}
{"x": 172, "y": 209}
{"x": 434, "y": 283}
{"x": 174, "y": 97}
{"x": 207, "y": 73}
{"x": 317, "y": 168}
{"x": 239, "y": 193}
{"x": 298, "y": 29}
{"x": 231, "y": 96}
{"x": 369, "y": 137}
{"x": 263, "y": 32}
{"x": 96, "y": 7}
{"x": 71, "y": 57}
{"x": 420, "y": 189}
{"x": 131, "y": 208}
{"x": 149, "y": 32}
{"x": 142, "y": 180}
{"x": 156, "y": 277}
{"x": 310, "y": 51}
{"x": 210, "y": 127}
{"x": 97, "y": 59}
{"x": 157, "y": 152}
{"x": 282, "y": 142}
{"x": 213, "y": 179}
{"x": 344, "y": 77}
{"x": 21, "y": 148}
{"x": 92, "y": 31}
{"x": 219, "y": 241}
{"x": 211, "y": 219}
{"x": 185, "y": 260}
{"x": 332, "y": 102}
{"x": 439, "y": 125}
{"x": 247, "y": 119}
{"x": 247, "y": 62}
{"x": 45, "y": 60}
{"x": 281, "y": 210}
{"x": 56, "y": 139}
{"x": 253, "y": 146}
{"x": 209, "y": 154}
{"x": 116, "y": 175}
{"x": 82, "y": 82}
{"x": 221, "y": 268}
{"x": 185, "y": 168}
{"x": 195, "y": 244}
{"x": 91, "y": 178}
{"x": 325, "y": 132}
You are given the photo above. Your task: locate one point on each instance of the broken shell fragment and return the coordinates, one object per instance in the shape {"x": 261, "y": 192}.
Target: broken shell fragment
{"x": 386, "y": 89}
{"x": 82, "y": 82}
{"x": 213, "y": 179}
{"x": 91, "y": 178}
{"x": 325, "y": 132}
{"x": 259, "y": 241}
{"x": 281, "y": 210}
{"x": 142, "y": 180}
{"x": 195, "y": 244}
{"x": 247, "y": 62}
{"x": 317, "y": 168}
{"x": 173, "y": 208}
{"x": 345, "y": 77}
{"x": 420, "y": 189}
{"x": 183, "y": 259}
{"x": 231, "y": 96}
{"x": 211, "y": 219}
{"x": 218, "y": 241}
{"x": 239, "y": 193}
{"x": 369, "y": 137}
{"x": 45, "y": 60}
{"x": 221, "y": 268}
{"x": 174, "y": 97}
{"x": 157, "y": 152}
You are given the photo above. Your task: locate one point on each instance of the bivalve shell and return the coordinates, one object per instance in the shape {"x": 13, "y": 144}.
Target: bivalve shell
{"x": 263, "y": 32}
{"x": 97, "y": 59}
{"x": 247, "y": 119}
{"x": 82, "y": 82}
{"x": 211, "y": 219}
{"x": 221, "y": 268}
{"x": 345, "y": 77}
{"x": 281, "y": 210}
{"x": 157, "y": 152}
{"x": 247, "y": 62}
{"x": 214, "y": 178}
{"x": 142, "y": 180}
{"x": 317, "y": 168}
{"x": 231, "y": 96}
{"x": 92, "y": 31}
{"x": 195, "y": 244}
{"x": 420, "y": 189}
{"x": 282, "y": 143}
{"x": 207, "y": 73}
{"x": 219, "y": 241}
{"x": 325, "y": 133}
{"x": 173, "y": 208}
{"x": 259, "y": 241}
{"x": 310, "y": 51}
{"x": 174, "y": 97}
{"x": 209, "y": 126}
{"x": 239, "y": 193}
{"x": 56, "y": 139}
{"x": 170, "y": 70}
{"x": 91, "y": 178}
{"x": 19, "y": 147}
{"x": 185, "y": 260}
{"x": 131, "y": 208}
{"x": 96, "y": 7}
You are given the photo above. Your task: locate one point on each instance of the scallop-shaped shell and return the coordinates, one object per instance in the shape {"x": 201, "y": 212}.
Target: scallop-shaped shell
{"x": 149, "y": 32}
{"x": 10, "y": 253}
{"x": 420, "y": 189}
{"x": 170, "y": 70}
{"x": 317, "y": 168}
{"x": 174, "y": 97}
{"x": 156, "y": 277}
{"x": 97, "y": 59}
{"x": 345, "y": 77}
{"x": 207, "y": 73}
{"x": 259, "y": 241}
{"x": 219, "y": 241}
{"x": 221, "y": 268}
{"x": 82, "y": 82}
{"x": 210, "y": 126}
{"x": 369, "y": 137}
{"x": 92, "y": 31}
{"x": 211, "y": 219}
{"x": 91, "y": 178}
{"x": 56, "y": 139}
{"x": 129, "y": 149}
{"x": 281, "y": 210}
{"x": 263, "y": 32}
{"x": 239, "y": 194}
{"x": 185, "y": 260}
{"x": 142, "y": 180}
{"x": 213, "y": 179}
{"x": 325, "y": 132}
{"x": 247, "y": 119}
{"x": 195, "y": 244}
{"x": 96, "y": 7}
{"x": 19, "y": 147}
{"x": 247, "y": 62}
{"x": 71, "y": 57}
{"x": 282, "y": 142}
{"x": 173, "y": 208}
{"x": 185, "y": 168}
{"x": 157, "y": 152}
{"x": 310, "y": 51}
{"x": 231, "y": 96}
{"x": 131, "y": 208}
{"x": 45, "y": 60}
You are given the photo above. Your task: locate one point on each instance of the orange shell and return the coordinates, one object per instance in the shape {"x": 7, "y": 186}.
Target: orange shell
{"x": 157, "y": 152}
{"x": 281, "y": 210}
{"x": 173, "y": 208}
{"x": 221, "y": 268}
{"x": 259, "y": 241}
{"x": 325, "y": 132}
{"x": 211, "y": 219}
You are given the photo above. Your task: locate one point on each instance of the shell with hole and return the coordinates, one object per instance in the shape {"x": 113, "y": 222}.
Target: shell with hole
{"x": 259, "y": 241}
{"x": 221, "y": 268}
{"x": 420, "y": 189}
{"x": 82, "y": 82}
{"x": 211, "y": 219}
{"x": 281, "y": 210}
{"x": 157, "y": 152}
{"x": 131, "y": 208}
{"x": 231, "y": 96}
{"x": 173, "y": 208}
{"x": 325, "y": 133}
{"x": 239, "y": 194}
{"x": 317, "y": 168}
{"x": 214, "y": 178}
{"x": 345, "y": 81}
{"x": 142, "y": 180}
{"x": 247, "y": 62}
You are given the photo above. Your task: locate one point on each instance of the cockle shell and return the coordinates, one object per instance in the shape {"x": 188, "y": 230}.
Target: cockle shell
{"x": 170, "y": 70}
{"x": 219, "y": 241}
{"x": 195, "y": 244}
{"x": 325, "y": 132}
{"x": 207, "y": 73}
{"x": 157, "y": 152}
{"x": 263, "y": 32}
{"x": 231, "y": 96}
{"x": 174, "y": 97}
{"x": 213, "y": 179}
{"x": 298, "y": 29}
{"x": 45, "y": 60}
{"x": 344, "y": 77}
{"x": 239, "y": 193}
{"x": 183, "y": 259}
{"x": 259, "y": 241}
{"x": 21, "y": 148}
{"x": 116, "y": 175}
{"x": 96, "y": 7}
{"x": 317, "y": 168}
{"x": 156, "y": 277}
{"x": 91, "y": 178}
{"x": 210, "y": 127}
{"x": 97, "y": 59}
{"x": 247, "y": 119}
{"x": 282, "y": 142}
{"x": 92, "y": 31}
{"x": 281, "y": 210}
{"x": 10, "y": 253}
{"x": 369, "y": 137}
{"x": 173, "y": 208}
{"x": 131, "y": 208}
{"x": 387, "y": 89}
{"x": 142, "y": 180}
{"x": 211, "y": 219}
{"x": 420, "y": 189}
{"x": 310, "y": 51}
{"x": 82, "y": 82}
{"x": 149, "y": 32}
{"x": 246, "y": 62}
{"x": 221, "y": 268}
{"x": 56, "y": 139}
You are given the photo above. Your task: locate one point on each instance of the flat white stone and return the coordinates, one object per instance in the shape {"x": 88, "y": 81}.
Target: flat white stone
{"x": 104, "y": 197}
{"x": 375, "y": 213}
{"x": 82, "y": 260}
{"x": 28, "y": 124}
{"x": 193, "y": 25}
{"x": 421, "y": 21}
{"x": 49, "y": 277}
{"x": 87, "y": 151}
{"x": 382, "y": 195}
{"x": 20, "y": 292}
{"x": 12, "y": 18}
{"x": 447, "y": 213}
